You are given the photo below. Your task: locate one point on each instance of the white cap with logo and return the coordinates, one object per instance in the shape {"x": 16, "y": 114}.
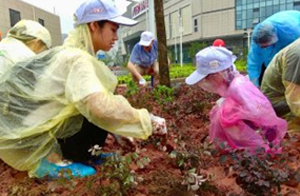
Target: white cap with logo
{"x": 211, "y": 60}
{"x": 97, "y": 10}
{"x": 146, "y": 38}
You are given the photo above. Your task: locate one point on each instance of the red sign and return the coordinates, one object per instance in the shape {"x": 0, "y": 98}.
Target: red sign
{"x": 139, "y": 8}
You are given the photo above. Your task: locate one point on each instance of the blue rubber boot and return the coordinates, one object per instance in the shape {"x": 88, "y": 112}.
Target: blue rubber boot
{"x": 70, "y": 170}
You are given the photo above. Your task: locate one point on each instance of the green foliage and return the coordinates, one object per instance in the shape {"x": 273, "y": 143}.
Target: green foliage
{"x": 163, "y": 94}
{"x": 196, "y": 47}
{"x": 241, "y": 65}
{"x": 132, "y": 88}
{"x": 116, "y": 177}
{"x": 176, "y": 71}
{"x": 185, "y": 160}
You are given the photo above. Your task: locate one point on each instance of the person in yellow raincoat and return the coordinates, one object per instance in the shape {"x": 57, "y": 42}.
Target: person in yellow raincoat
{"x": 62, "y": 101}
{"x": 24, "y": 40}
{"x": 281, "y": 84}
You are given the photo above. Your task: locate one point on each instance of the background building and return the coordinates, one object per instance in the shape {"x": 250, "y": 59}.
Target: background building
{"x": 202, "y": 21}
{"x": 12, "y": 11}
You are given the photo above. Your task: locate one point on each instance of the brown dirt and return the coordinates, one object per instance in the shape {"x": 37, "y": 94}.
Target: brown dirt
{"x": 187, "y": 120}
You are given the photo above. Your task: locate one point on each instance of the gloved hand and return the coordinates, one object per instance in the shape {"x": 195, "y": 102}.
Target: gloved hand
{"x": 142, "y": 81}
{"x": 158, "y": 125}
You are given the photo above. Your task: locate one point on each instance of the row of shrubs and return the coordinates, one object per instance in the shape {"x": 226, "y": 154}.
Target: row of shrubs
{"x": 176, "y": 71}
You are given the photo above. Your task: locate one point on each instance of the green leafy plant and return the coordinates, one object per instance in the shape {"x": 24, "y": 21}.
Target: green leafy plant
{"x": 115, "y": 176}
{"x": 132, "y": 88}
{"x": 163, "y": 94}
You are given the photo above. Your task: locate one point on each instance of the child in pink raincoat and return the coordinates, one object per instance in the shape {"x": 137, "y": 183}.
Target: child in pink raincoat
{"x": 243, "y": 118}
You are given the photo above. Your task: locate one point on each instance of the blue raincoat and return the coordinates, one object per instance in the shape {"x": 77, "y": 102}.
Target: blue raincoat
{"x": 282, "y": 28}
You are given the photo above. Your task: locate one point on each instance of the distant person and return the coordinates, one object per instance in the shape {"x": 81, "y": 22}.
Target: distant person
{"x": 219, "y": 43}
{"x": 281, "y": 84}
{"x": 243, "y": 118}
{"x": 24, "y": 40}
{"x": 268, "y": 38}
{"x": 143, "y": 58}
{"x": 0, "y": 36}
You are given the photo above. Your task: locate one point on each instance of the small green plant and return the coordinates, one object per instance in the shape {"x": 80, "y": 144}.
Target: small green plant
{"x": 132, "y": 88}
{"x": 193, "y": 180}
{"x": 185, "y": 160}
{"x": 116, "y": 176}
{"x": 163, "y": 94}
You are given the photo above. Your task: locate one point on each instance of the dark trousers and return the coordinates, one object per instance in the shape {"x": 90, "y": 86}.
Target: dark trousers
{"x": 263, "y": 69}
{"x": 75, "y": 148}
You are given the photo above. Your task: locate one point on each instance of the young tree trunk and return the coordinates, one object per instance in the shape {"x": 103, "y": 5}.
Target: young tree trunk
{"x": 164, "y": 76}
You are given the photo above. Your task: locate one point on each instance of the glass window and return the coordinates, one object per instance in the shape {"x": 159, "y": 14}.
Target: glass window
{"x": 174, "y": 30}
{"x": 15, "y": 17}
{"x": 249, "y": 14}
{"x": 297, "y": 6}
{"x": 238, "y": 15}
{"x": 186, "y": 15}
{"x": 262, "y": 4}
{"x": 168, "y": 26}
{"x": 276, "y": 8}
{"x": 282, "y": 7}
{"x": 244, "y": 25}
{"x": 289, "y": 6}
{"x": 282, "y": 1}
{"x": 239, "y": 24}
{"x": 256, "y": 13}
{"x": 244, "y": 16}
{"x": 41, "y": 21}
{"x": 269, "y": 11}
{"x": 238, "y": 2}
{"x": 275, "y": 2}
{"x": 262, "y": 11}
{"x": 269, "y": 2}
{"x": 249, "y": 23}
{"x": 195, "y": 25}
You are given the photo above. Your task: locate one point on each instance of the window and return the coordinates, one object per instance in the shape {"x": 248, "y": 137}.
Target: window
{"x": 167, "y": 25}
{"x": 175, "y": 24}
{"x": 15, "y": 17}
{"x": 41, "y": 21}
{"x": 186, "y": 19}
{"x": 195, "y": 25}
{"x": 297, "y": 6}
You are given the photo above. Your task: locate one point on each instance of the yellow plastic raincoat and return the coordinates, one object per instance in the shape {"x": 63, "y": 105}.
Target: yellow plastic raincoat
{"x": 281, "y": 84}
{"x": 13, "y": 48}
{"x": 46, "y": 97}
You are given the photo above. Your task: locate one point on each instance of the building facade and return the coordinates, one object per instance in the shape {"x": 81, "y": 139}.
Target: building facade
{"x": 202, "y": 21}
{"x": 13, "y": 11}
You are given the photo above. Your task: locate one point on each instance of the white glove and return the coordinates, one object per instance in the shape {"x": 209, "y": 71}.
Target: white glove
{"x": 142, "y": 81}
{"x": 158, "y": 125}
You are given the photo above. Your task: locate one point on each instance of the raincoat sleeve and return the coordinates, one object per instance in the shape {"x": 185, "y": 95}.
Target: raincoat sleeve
{"x": 254, "y": 63}
{"x": 88, "y": 86}
{"x": 291, "y": 79}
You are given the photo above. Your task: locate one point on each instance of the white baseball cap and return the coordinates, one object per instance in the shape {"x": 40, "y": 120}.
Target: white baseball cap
{"x": 146, "y": 38}
{"x": 211, "y": 60}
{"x": 97, "y": 10}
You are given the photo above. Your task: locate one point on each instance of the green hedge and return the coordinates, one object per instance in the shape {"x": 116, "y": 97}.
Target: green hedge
{"x": 176, "y": 71}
